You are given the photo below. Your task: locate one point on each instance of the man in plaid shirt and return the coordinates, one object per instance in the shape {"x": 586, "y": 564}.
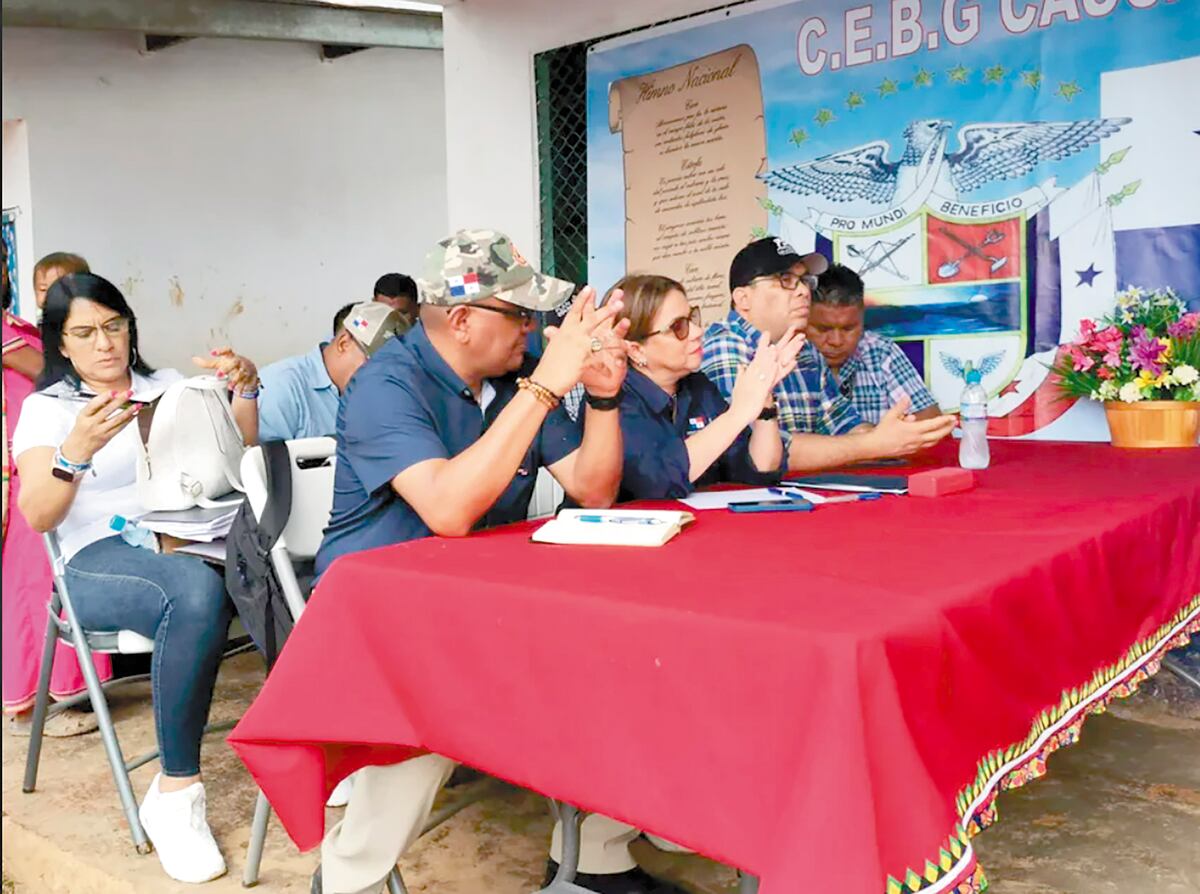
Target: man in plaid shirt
{"x": 771, "y": 286}
{"x": 872, "y": 372}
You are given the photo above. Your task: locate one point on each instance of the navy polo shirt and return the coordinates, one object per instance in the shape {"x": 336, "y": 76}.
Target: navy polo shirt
{"x": 405, "y": 406}
{"x": 655, "y": 425}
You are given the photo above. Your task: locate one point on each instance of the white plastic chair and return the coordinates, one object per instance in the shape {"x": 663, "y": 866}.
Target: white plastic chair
{"x": 311, "y": 462}
{"x": 547, "y": 496}
{"x": 312, "y": 467}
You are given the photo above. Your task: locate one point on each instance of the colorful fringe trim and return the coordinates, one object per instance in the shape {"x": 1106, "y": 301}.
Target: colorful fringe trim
{"x": 955, "y": 871}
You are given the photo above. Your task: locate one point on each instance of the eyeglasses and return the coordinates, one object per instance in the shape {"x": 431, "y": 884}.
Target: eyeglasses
{"x": 114, "y": 327}
{"x": 790, "y": 280}
{"x": 681, "y": 327}
{"x": 524, "y": 314}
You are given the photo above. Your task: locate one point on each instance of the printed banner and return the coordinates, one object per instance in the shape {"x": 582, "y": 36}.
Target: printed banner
{"x": 693, "y": 149}
{"x": 992, "y": 190}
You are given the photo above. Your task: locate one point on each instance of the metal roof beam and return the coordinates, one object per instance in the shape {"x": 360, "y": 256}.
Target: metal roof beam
{"x": 251, "y": 19}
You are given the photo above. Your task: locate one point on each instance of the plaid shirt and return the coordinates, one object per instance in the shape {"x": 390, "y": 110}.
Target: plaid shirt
{"x": 875, "y": 373}
{"x": 808, "y": 399}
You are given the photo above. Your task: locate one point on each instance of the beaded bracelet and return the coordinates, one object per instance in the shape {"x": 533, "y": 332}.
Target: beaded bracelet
{"x": 541, "y": 392}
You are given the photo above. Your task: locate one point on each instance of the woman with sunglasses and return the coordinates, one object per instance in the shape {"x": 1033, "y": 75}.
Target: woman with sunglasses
{"x": 77, "y": 455}
{"x": 679, "y": 432}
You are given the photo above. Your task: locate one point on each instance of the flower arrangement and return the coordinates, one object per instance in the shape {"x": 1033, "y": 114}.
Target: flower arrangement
{"x": 1147, "y": 349}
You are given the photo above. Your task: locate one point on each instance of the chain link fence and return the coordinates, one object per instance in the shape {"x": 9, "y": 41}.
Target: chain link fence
{"x": 560, "y": 78}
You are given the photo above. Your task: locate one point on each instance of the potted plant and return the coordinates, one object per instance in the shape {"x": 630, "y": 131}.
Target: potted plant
{"x": 1143, "y": 362}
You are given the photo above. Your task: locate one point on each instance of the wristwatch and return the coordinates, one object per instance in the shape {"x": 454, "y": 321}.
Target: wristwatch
{"x": 603, "y": 403}
{"x": 65, "y": 470}
{"x": 769, "y": 413}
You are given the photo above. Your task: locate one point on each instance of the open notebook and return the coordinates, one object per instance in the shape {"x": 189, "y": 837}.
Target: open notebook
{"x": 613, "y": 527}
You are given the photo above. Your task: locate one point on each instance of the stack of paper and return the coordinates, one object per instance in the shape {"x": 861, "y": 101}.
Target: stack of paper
{"x": 613, "y": 527}
{"x": 204, "y": 525}
{"x": 210, "y": 552}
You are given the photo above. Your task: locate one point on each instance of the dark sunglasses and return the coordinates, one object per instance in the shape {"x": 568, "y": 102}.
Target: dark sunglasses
{"x": 681, "y": 327}
{"x": 524, "y": 314}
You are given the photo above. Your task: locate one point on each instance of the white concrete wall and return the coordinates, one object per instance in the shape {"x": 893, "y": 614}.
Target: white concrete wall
{"x": 491, "y": 148}
{"x": 238, "y": 191}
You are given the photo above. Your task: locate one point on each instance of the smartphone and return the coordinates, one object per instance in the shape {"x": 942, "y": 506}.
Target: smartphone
{"x": 121, "y": 409}
{"x": 772, "y": 506}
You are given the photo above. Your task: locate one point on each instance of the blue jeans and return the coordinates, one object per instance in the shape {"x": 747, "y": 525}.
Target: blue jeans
{"x": 180, "y": 603}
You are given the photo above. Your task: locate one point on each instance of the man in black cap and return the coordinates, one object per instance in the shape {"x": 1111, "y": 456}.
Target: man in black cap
{"x": 771, "y": 286}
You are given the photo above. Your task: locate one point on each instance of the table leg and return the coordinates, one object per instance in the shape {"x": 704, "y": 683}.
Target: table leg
{"x": 395, "y": 884}
{"x": 571, "y": 818}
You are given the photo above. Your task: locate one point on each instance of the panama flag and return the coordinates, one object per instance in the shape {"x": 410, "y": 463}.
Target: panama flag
{"x": 462, "y": 286}
{"x": 1154, "y": 192}
{"x": 1081, "y": 223}
{"x": 1134, "y": 222}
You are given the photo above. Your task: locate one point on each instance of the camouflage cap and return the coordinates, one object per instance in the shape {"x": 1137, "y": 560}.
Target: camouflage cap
{"x": 372, "y": 323}
{"x": 476, "y": 264}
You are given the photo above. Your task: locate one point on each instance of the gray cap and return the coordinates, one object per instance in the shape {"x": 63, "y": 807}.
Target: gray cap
{"x": 372, "y": 323}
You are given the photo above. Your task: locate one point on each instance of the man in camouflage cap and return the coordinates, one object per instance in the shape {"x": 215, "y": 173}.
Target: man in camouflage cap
{"x": 475, "y": 264}
{"x": 443, "y": 432}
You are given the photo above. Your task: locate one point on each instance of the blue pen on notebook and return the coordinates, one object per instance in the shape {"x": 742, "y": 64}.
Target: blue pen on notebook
{"x": 619, "y": 519}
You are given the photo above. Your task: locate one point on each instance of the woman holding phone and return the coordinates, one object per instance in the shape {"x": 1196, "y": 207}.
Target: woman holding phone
{"x": 77, "y": 452}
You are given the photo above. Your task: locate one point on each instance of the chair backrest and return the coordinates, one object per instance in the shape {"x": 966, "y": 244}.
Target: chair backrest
{"x": 547, "y": 495}
{"x": 311, "y": 467}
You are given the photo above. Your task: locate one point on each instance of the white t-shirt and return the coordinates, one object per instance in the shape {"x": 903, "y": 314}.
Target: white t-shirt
{"x": 110, "y": 487}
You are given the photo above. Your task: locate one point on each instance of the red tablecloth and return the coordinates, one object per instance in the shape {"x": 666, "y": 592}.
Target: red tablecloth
{"x": 829, "y": 700}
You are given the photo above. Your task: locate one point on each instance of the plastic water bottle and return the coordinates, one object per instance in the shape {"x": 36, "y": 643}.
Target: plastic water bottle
{"x": 973, "y": 448}
{"x": 132, "y": 533}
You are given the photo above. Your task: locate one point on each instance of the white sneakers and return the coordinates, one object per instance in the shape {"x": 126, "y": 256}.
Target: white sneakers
{"x": 177, "y": 826}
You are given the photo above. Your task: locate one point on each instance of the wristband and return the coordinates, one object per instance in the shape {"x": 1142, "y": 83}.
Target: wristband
{"x": 603, "y": 403}
{"x": 769, "y": 413}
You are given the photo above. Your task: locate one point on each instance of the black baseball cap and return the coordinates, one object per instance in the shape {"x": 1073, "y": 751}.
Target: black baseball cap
{"x": 767, "y": 257}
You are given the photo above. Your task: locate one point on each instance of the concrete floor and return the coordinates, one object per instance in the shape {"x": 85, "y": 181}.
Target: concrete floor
{"x": 1119, "y": 812}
